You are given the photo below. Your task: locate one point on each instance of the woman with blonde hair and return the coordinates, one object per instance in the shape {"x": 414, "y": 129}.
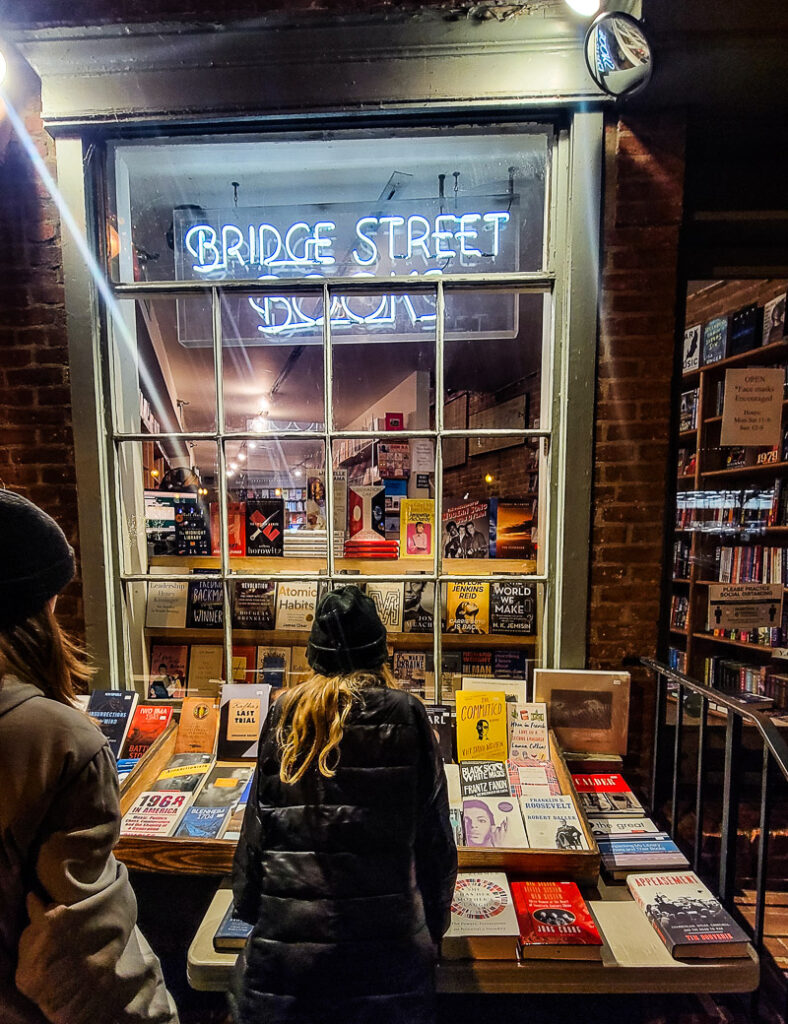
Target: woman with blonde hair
{"x": 70, "y": 952}
{"x": 346, "y": 863}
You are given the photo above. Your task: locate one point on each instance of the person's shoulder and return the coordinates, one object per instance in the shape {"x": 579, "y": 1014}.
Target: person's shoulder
{"x": 54, "y": 726}
{"x": 399, "y": 704}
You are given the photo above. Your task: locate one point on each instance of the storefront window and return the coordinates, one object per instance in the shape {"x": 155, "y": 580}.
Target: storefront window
{"x": 331, "y": 360}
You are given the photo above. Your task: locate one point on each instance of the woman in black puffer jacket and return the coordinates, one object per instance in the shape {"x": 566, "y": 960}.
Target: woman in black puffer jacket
{"x": 346, "y": 863}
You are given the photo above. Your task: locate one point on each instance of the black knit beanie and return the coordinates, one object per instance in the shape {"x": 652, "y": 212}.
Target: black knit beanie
{"x": 347, "y": 634}
{"x": 36, "y": 560}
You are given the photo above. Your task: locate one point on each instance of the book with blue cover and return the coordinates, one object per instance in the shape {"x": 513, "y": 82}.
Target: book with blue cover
{"x": 622, "y": 857}
{"x": 112, "y": 710}
{"x": 232, "y": 933}
{"x": 202, "y": 822}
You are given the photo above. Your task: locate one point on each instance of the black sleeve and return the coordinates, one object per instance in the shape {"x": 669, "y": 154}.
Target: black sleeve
{"x": 436, "y": 852}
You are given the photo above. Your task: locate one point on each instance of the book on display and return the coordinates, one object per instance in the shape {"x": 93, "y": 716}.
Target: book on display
{"x": 555, "y": 922}
{"x": 202, "y": 823}
{"x": 148, "y": 723}
{"x": 155, "y": 814}
{"x": 527, "y": 724}
{"x": 113, "y": 710}
{"x": 484, "y": 779}
{"x": 232, "y": 933}
{"x": 551, "y": 823}
{"x": 481, "y": 726}
{"x": 483, "y": 922}
{"x": 606, "y": 794}
{"x": 197, "y": 727}
{"x": 493, "y": 823}
{"x": 184, "y": 773}
{"x": 242, "y": 711}
{"x": 653, "y": 852}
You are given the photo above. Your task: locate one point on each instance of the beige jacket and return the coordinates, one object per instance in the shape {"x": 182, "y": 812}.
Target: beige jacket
{"x": 70, "y": 952}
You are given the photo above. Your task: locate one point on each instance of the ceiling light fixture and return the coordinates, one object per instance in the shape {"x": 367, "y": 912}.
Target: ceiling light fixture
{"x": 586, "y": 8}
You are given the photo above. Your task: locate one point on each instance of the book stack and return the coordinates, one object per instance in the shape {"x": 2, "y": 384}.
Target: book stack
{"x": 305, "y": 544}
{"x": 371, "y": 547}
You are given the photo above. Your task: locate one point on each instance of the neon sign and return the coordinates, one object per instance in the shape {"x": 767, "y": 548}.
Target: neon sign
{"x": 419, "y": 238}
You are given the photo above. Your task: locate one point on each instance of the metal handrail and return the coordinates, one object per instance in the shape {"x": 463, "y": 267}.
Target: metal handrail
{"x": 770, "y": 734}
{"x": 775, "y": 756}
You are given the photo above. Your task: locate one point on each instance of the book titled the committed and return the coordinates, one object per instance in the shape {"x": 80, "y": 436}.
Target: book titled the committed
{"x": 551, "y": 823}
{"x": 687, "y": 917}
{"x": 606, "y": 794}
{"x": 483, "y": 922}
{"x": 113, "y": 710}
{"x": 481, "y": 726}
{"x": 148, "y": 723}
{"x": 555, "y": 922}
{"x": 197, "y": 726}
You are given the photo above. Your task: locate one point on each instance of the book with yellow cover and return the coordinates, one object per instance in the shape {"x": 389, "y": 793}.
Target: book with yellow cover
{"x": 197, "y": 727}
{"x": 468, "y": 608}
{"x": 416, "y": 528}
{"x": 481, "y": 726}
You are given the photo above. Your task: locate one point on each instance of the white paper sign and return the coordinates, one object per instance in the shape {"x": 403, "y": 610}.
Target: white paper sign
{"x": 753, "y": 405}
{"x": 745, "y": 605}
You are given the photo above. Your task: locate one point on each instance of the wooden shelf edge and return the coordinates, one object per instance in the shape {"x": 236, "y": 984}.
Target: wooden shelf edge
{"x": 775, "y": 348}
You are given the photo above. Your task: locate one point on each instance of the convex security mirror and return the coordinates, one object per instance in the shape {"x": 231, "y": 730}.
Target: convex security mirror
{"x": 618, "y": 55}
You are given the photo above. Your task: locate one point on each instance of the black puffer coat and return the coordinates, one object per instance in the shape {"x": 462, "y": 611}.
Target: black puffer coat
{"x": 348, "y": 881}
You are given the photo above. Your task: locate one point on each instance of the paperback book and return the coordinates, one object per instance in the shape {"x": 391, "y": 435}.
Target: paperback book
{"x": 205, "y": 608}
{"x": 154, "y": 814}
{"x": 606, "y": 794}
{"x": 388, "y": 602}
{"x": 418, "y": 603}
{"x": 232, "y": 933}
{"x": 192, "y": 535}
{"x": 167, "y": 671}
{"x": 410, "y": 668}
{"x": 366, "y": 514}
{"x": 273, "y": 666}
{"x": 295, "y": 605}
{"x": 441, "y": 720}
{"x": 773, "y": 320}
{"x": 197, "y": 727}
{"x": 493, "y": 823}
{"x": 715, "y": 340}
{"x": 483, "y": 922}
{"x": 555, "y": 922}
{"x": 166, "y": 604}
{"x": 452, "y": 772}
{"x": 465, "y": 529}
{"x": 148, "y": 723}
{"x": 511, "y": 528}
{"x": 417, "y": 528}
{"x": 532, "y": 778}
{"x": 231, "y": 829}
{"x": 551, "y": 823}
{"x": 467, "y": 608}
{"x": 484, "y": 779}
{"x": 691, "y": 353}
{"x": 112, "y": 710}
{"x": 264, "y": 526}
{"x": 657, "y": 852}
{"x": 184, "y": 773}
{"x": 236, "y": 536}
{"x": 202, "y": 823}
{"x": 622, "y": 828}
{"x": 254, "y": 605}
{"x": 205, "y": 669}
{"x": 513, "y": 608}
{"x": 687, "y": 917}
{"x": 224, "y": 786}
{"x": 242, "y": 711}
{"x": 481, "y": 726}
{"x": 528, "y": 737}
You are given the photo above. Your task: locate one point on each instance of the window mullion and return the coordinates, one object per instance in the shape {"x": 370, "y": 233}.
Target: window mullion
{"x": 224, "y": 547}
{"x": 437, "y": 603}
{"x": 328, "y": 417}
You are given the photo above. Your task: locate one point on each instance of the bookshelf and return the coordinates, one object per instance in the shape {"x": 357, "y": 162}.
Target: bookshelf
{"x": 727, "y": 529}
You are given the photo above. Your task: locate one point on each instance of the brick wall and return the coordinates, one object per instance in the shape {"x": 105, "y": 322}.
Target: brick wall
{"x": 644, "y": 169}
{"x": 36, "y": 447}
{"x": 707, "y": 299}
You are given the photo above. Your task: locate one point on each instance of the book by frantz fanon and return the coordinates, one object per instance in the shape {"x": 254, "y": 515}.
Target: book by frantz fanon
{"x": 483, "y": 922}
{"x": 686, "y": 916}
{"x": 147, "y": 724}
{"x": 481, "y": 726}
{"x": 295, "y": 605}
{"x": 552, "y": 823}
{"x": 205, "y": 608}
{"x": 513, "y": 608}
{"x": 555, "y": 922}
{"x": 416, "y": 527}
{"x": 466, "y": 529}
{"x": 236, "y": 531}
{"x": 265, "y": 524}
{"x": 113, "y": 710}
{"x": 467, "y": 607}
{"x": 242, "y": 711}
{"x": 388, "y": 602}
{"x": 483, "y": 779}
{"x": 254, "y": 604}
{"x": 197, "y": 727}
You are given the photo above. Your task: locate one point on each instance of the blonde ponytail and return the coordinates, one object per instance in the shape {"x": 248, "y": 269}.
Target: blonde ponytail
{"x": 313, "y": 720}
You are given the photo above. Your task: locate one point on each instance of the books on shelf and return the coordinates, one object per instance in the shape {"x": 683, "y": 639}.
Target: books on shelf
{"x": 691, "y": 352}
{"x": 205, "y": 605}
{"x": 441, "y": 717}
{"x": 493, "y": 823}
{"x": 773, "y": 328}
{"x": 551, "y": 823}
{"x": 198, "y": 725}
{"x": 688, "y": 410}
{"x": 467, "y": 607}
{"x": 295, "y": 605}
{"x": 417, "y": 528}
{"x": 611, "y": 827}
{"x": 691, "y": 922}
{"x": 527, "y": 725}
{"x": 483, "y": 922}
{"x": 166, "y": 604}
{"x": 274, "y": 665}
{"x": 387, "y": 598}
{"x": 167, "y": 679}
{"x": 147, "y": 724}
{"x": 555, "y": 922}
{"x": 242, "y": 710}
{"x": 465, "y": 528}
{"x": 715, "y": 340}
{"x": 481, "y": 726}
{"x": 746, "y": 326}
{"x": 513, "y": 608}
{"x": 483, "y": 779}
{"x": 512, "y": 523}
{"x": 264, "y": 524}
{"x": 236, "y": 534}
{"x": 605, "y": 794}
{"x": 205, "y": 668}
{"x": 253, "y": 604}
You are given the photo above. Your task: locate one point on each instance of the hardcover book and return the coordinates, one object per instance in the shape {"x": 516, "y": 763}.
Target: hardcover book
{"x": 773, "y": 320}
{"x": 393, "y": 460}
{"x": 166, "y": 605}
{"x": 254, "y": 605}
{"x": 224, "y": 786}
{"x": 528, "y": 731}
{"x": 112, "y": 711}
{"x": 467, "y": 608}
{"x": 236, "y": 531}
{"x": 167, "y": 671}
{"x": 551, "y": 823}
{"x": 555, "y": 922}
{"x": 244, "y": 663}
{"x": 481, "y": 726}
{"x": 465, "y": 529}
{"x": 192, "y": 536}
{"x": 154, "y": 814}
{"x": 691, "y": 352}
{"x": 477, "y": 663}
{"x": 417, "y": 528}
{"x": 511, "y": 527}
{"x": 745, "y": 329}
{"x": 511, "y": 664}
{"x": 626, "y": 828}
{"x": 205, "y": 669}
{"x": 441, "y": 720}
{"x": 316, "y": 501}
{"x": 265, "y": 524}
{"x": 589, "y": 711}
{"x": 715, "y": 340}
{"x": 197, "y": 727}
{"x": 295, "y": 605}
{"x": 160, "y": 519}
{"x": 483, "y": 922}
{"x": 686, "y": 916}
{"x": 202, "y": 823}
{"x": 205, "y": 609}
{"x": 532, "y": 778}
{"x": 184, "y": 773}
{"x": 232, "y": 933}
{"x": 452, "y": 772}
{"x": 147, "y": 724}
{"x": 513, "y": 608}
{"x": 242, "y": 711}
{"x": 231, "y": 829}
{"x": 410, "y": 669}
{"x": 366, "y": 513}
{"x": 273, "y": 666}
{"x": 493, "y": 823}
{"x": 388, "y": 601}
{"x": 657, "y": 852}
{"x": 419, "y": 600}
{"x": 605, "y": 794}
